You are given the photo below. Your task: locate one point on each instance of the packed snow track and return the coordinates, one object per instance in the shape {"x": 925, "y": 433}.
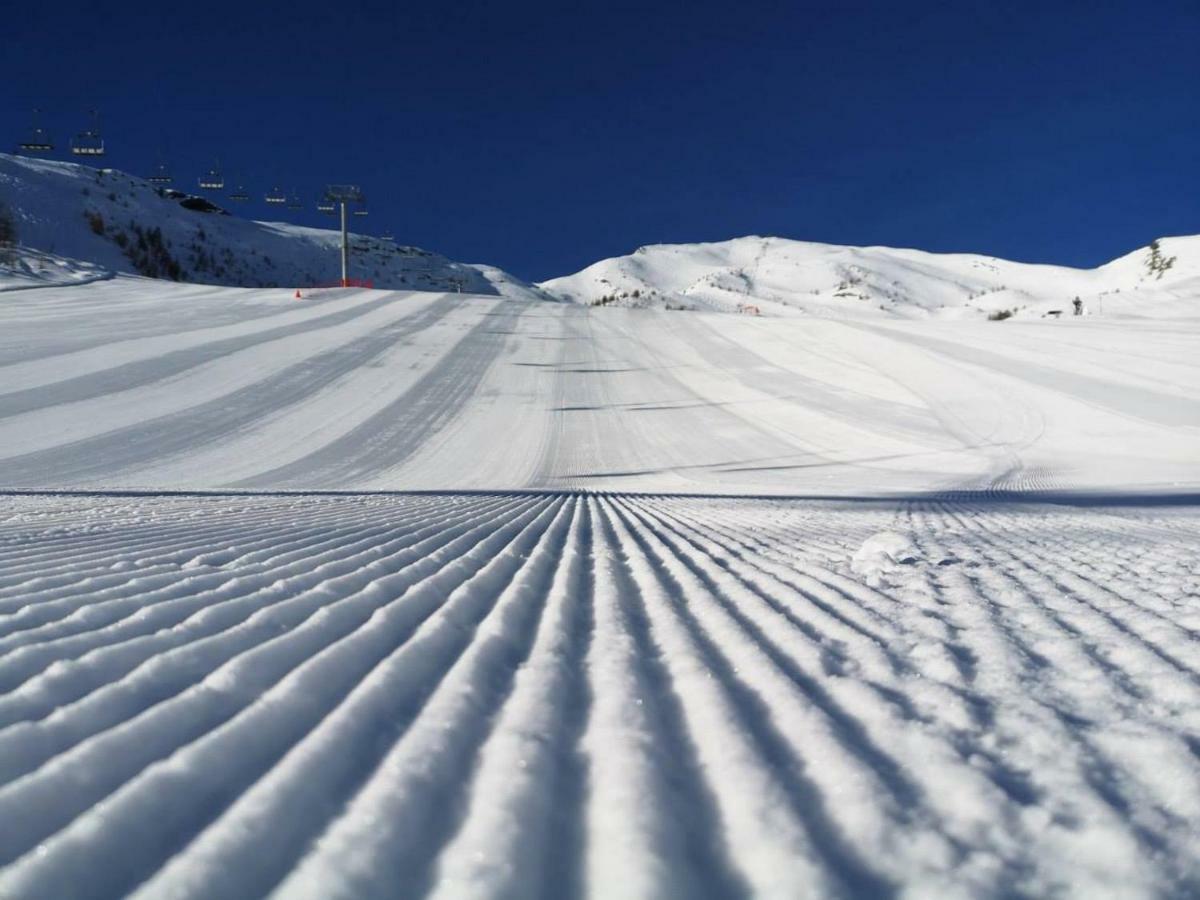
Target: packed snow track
{"x": 526, "y": 695}
{"x": 140, "y": 384}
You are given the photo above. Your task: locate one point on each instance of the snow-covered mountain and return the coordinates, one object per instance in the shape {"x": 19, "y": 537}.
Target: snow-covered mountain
{"x": 778, "y": 276}
{"x": 77, "y": 222}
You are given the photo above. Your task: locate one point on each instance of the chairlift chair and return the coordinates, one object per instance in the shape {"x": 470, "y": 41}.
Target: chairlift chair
{"x": 38, "y": 140}
{"x": 161, "y": 176}
{"x": 239, "y": 194}
{"x": 360, "y": 210}
{"x": 275, "y": 195}
{"x": 326, "y": 206}
{"x": 89, "y": 142}
{"x": 212, "y": 180}
{"x": 294, "y": 202}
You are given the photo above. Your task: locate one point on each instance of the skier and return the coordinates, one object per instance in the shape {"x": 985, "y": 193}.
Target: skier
{"x": 1078, "y": 304}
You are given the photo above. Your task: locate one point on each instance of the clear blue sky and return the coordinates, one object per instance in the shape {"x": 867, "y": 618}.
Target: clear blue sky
{"x": 542, "y": 137}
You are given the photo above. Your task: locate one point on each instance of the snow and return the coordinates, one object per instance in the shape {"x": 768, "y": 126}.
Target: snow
{"x": 25, "y": 268}
{"x": 380, "y": 593}
{"x": 880, "y": 553}
{"x": 510, "y": 694}
{"x": 134, "y": 383}
{"x": 51, "y": 202}
{"x": 775, "y": 276}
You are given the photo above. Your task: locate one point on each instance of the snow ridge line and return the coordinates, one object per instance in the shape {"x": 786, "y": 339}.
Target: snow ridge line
{"x": 383, "y": 717}
{"x": 1065, "y": 574}
{"x": 75, "y": 551}
{"x": 793, "y": 711}
{"x": 1087, "y": 710}
{"x": 276, "y": 596}
{"x": 161, "y": 550}
{"x": 1109, "y": 503}
{"x": 217, "y": 694}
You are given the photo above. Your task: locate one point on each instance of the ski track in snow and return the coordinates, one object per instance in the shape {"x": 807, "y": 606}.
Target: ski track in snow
{"x": 557, "y": 694}
{"x": 392, "y": 594}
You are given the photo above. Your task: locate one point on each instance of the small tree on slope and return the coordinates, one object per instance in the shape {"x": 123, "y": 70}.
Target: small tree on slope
{"x": 1156, "y": 262}
{"x": 8, "y": 235}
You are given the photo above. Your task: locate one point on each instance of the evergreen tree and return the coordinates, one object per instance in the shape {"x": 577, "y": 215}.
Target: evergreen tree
{"x": 1158, "y": 264}
{"x": 8, "y": 227}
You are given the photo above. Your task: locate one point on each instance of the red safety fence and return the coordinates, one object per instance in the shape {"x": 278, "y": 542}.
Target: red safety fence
{"x": 348, "y": 282}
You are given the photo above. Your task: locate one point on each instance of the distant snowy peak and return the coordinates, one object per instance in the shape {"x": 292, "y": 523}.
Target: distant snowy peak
{"x": 766, "y": 275}
{"x": 105, "y": 220}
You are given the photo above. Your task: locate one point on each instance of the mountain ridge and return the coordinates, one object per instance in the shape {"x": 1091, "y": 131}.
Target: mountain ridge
{"x": 70, "y": 217}
{"x": 772, "y": 275}
{"x": 75, "y": 223}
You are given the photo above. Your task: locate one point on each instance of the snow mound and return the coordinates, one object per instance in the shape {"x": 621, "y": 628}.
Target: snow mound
{"x": 881, "y": 553}
{"x": 23, "y": 268}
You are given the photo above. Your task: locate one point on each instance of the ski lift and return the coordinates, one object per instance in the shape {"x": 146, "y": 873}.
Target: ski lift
{"x": 326, "y": 206}
{"x": 294, "y": 202}
{"x": 161, "y": 176}
{"x": 361, "y": 209}
{"x": 38, "y": 140}
{"x": 276, "y": 195}
{"x": 388, "y": 237}
{"x": 239, "y": 194}
{"x": 213, "y": 180}
{"x": 89, "y": 142}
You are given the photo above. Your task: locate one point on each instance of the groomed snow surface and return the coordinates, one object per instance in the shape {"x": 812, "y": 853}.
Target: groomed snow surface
{"x": 481, "y": 598}
{"x": 627, "y": 696}
{"x": 143, "y": 384}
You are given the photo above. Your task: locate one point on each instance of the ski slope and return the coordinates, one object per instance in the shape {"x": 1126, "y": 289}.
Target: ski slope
{"x": 549, "y": 695}
{"x": 135, "y": 383}
{"x": 379, "y": 594}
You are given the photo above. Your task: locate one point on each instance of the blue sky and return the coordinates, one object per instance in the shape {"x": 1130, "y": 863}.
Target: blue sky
{"x": 541, "y": 137}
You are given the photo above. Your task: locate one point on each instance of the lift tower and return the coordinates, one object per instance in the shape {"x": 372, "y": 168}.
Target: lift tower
{"x": 342, "y": 195}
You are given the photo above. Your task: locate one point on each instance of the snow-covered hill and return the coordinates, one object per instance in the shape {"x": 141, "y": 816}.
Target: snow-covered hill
{"x": 778, "y": 276}
{"x": 76, "y": 223}
{"x": 72, "y": 219}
